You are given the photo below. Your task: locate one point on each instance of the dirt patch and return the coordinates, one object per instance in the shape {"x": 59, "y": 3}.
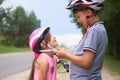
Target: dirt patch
{"x": 18, "y": 76}
{"x": 107, "y": 74}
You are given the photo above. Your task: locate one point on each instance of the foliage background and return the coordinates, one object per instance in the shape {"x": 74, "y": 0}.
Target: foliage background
{"x": 16, "y": 25}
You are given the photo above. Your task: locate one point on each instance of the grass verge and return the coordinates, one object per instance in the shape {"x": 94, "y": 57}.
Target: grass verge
{"x": 112, "y": 63}
{"x": 9, "y": 49}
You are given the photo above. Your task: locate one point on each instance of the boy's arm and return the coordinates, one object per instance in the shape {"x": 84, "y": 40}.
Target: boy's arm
{"x": 84, "y": 61}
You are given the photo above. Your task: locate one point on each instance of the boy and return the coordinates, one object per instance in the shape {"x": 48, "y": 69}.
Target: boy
{"x": 87, "y": 62}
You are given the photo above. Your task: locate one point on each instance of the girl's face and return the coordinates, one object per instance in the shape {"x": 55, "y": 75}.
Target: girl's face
{"x": 53, "y": 42}
{"x": 81, "y": 18}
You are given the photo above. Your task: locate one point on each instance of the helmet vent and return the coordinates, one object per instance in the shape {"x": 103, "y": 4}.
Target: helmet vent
{"x": 89, "y": 0}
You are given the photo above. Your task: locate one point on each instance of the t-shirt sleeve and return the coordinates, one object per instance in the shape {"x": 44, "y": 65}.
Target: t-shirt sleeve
{"x": 91, "y": 40}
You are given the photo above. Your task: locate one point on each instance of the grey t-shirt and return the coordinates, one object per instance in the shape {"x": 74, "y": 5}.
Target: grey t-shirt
{"x": 96, "y": 40}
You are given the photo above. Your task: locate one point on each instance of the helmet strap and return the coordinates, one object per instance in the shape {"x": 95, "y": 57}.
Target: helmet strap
{"x": 48, "y": 50}
{"x": 53, "y": 49}
{"x": 87, "y": 21}
{"x": 87, "y": 18}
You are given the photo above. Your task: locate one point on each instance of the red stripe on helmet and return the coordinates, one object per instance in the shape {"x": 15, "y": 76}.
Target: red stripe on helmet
{"x": 78, "y": 3}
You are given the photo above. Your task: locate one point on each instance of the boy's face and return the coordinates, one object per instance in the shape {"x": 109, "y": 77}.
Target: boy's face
{"x": 81, "y": 18}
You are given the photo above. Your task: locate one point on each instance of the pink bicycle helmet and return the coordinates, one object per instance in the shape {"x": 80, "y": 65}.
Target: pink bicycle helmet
{"x": 95, "y": 5}
{"x": 36, "y": 37}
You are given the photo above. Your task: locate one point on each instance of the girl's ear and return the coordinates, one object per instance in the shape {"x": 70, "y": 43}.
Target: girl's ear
{"x": 42, "y": 45}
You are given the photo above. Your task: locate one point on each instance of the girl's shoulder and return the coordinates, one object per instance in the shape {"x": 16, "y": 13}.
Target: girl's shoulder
{"x": 42, "y": 59}
{"x": 45, "y": 59}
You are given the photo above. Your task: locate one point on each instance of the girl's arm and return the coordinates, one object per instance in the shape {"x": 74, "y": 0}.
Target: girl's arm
{"x": 43, "y": 67}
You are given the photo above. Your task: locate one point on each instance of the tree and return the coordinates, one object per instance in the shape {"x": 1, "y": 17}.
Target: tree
{"x": 1, "y": 1}
{"x": 23, "y": 25}
{"x": 16, "y": 26}
{"x": 4, "y": 15}
{"x": 111, "y": 16}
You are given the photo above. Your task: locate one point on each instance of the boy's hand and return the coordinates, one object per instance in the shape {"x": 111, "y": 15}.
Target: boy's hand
{"x": 60, "y": 53}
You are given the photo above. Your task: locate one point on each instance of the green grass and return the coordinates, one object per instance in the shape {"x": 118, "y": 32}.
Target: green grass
{"x": 9, "y": 49}
{"x": 112, "y": 63}
{"x": 1, "y": 38}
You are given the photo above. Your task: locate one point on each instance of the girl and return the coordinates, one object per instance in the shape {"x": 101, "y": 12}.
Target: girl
{"x": 44, "y": 64}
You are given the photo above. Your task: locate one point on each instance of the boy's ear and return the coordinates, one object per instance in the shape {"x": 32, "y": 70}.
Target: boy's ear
{"x": 89, "y": 12}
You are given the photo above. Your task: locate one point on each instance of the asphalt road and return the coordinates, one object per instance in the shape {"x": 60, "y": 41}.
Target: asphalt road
{"x": 13, "y": 63}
